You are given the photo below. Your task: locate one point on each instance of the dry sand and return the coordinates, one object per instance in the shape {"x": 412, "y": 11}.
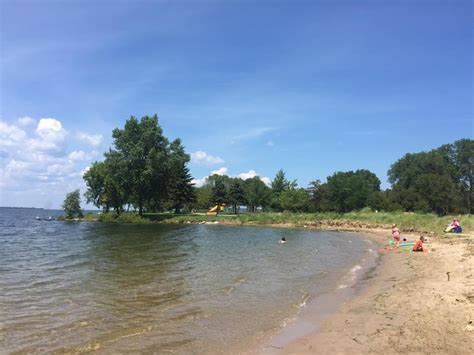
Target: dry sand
{"x": 408, "y": 305}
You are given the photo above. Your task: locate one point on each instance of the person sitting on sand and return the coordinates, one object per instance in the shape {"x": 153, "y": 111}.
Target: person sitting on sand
{"x": 454, "y": 227}
{"x": 282, "y": 241}
{"x": 419, "y": 244}
{"x": 395, "y": 234}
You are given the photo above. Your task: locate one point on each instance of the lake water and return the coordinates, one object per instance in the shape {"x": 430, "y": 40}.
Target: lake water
{"x": 79, "y": 287}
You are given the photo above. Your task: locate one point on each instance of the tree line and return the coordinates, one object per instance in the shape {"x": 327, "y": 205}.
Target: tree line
{"x": 146, "y": 172}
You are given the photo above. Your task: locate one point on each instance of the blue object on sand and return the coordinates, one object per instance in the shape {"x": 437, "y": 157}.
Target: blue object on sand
{"x": 406, "y": 244}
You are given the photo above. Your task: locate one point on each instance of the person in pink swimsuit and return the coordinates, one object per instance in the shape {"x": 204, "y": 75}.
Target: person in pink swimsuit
{"x": 395, "y": 234}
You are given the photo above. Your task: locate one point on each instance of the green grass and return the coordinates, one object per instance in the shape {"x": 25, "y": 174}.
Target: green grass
{"x": 112, "y": 217}
{"x": 406, "y": 221}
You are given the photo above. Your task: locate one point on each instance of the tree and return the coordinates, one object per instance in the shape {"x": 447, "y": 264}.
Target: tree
{"x": 117, "y": 185}
{"x": 461, "y": 155}
{"x": 294, "y": 200}
{"x": 278, "y": 186}
{"x": 72, "y": 204}
{"x": 437, "y": 194}
{"x": 236, "y": 193}
{"x": 142, "y": 170}
{"x": 440, "y": 180}
{"x": 319, "y": 197}
{"x": 143, "y": 148}
{"x": 95, "y": 182}
{"x": 378, "y": 201}
{"x": 181, "y": 187}
{"x": 203, "y": 197}
{"x": 351, "y": 190}
{"x": 218, "y": 194}
{"x": 256, "y": 193}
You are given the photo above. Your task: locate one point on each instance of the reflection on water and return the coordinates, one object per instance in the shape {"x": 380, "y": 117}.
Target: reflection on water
{"x": 71, "y": 287}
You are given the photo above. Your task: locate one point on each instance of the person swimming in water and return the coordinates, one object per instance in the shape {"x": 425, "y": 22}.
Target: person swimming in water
{"x": 282, "y": 240}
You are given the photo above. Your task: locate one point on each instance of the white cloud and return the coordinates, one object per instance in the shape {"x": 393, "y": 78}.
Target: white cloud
{"x": 77, "y": 155}
{"x": 220, "y": 171}
{"x": 16, "y": 166}
{"x": 252, "y": 173}
{"x": 199, "y": 182}
{"x": 35, "y": 160}
{"x": 25, "y": 121}
{"x": 270, "y": 143}
{"x": 93, "y": 140}
{"x": 202, "y": 158}
{"x": 266, "y": 180}
{"x": 51, "y": 130}
{"x": 223, "y": 171}
{"x": 11, "y": 135}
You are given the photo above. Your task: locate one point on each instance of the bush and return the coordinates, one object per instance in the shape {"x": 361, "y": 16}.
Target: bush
{"x": 112, "y": 217}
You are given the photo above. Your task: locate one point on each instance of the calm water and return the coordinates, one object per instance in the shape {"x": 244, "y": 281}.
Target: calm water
{"x": 77, "y": 287}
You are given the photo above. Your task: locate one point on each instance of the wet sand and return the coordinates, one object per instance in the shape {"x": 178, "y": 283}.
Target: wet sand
{"x": 409, "y": 303}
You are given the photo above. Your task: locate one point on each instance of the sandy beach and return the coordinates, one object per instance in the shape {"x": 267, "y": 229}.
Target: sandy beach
{"x": 409, "y": 303}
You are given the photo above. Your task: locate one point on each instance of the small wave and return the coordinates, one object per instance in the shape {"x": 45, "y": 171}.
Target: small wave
{"x": 237, "y": 281}
{"x": 304, "y": 299}
{"x": 350, "y": 276}
{"x": 287, "y": 321}
{"x": 355, "y": 269}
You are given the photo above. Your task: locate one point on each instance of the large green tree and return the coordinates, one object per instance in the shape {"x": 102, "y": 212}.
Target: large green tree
{"x": 436, "y": 181}
{"x": 181, "y": 190}
{"x": 203, "y": 197}
{"x": 95, "y": 182}
{"x": 144, "y": 149}
{"x": 256, "y": 193}
{"x": 142, "y": 169}
{"x": 460, "y": 155}
{"x": 319, "y": 197}
{"x": 72, "y": 204}
{"x": 294, "y": 200}
{"x": 351, "y": 190}
{"x": 218, "y": 193}
{"x": 279, "y": 185}
{"x": 236, "y": 194}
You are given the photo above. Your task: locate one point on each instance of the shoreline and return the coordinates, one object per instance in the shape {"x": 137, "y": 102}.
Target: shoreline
{"x": 405, "y": 304}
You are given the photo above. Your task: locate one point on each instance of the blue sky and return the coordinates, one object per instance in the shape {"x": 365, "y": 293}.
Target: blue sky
{"x": 311, "y": 87}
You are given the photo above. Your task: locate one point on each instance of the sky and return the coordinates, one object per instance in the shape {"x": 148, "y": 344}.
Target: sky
{"x": 251, "y": 87}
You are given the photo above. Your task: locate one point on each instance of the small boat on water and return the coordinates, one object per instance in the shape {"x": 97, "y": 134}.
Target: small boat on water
{"x": 44, "y": 219}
